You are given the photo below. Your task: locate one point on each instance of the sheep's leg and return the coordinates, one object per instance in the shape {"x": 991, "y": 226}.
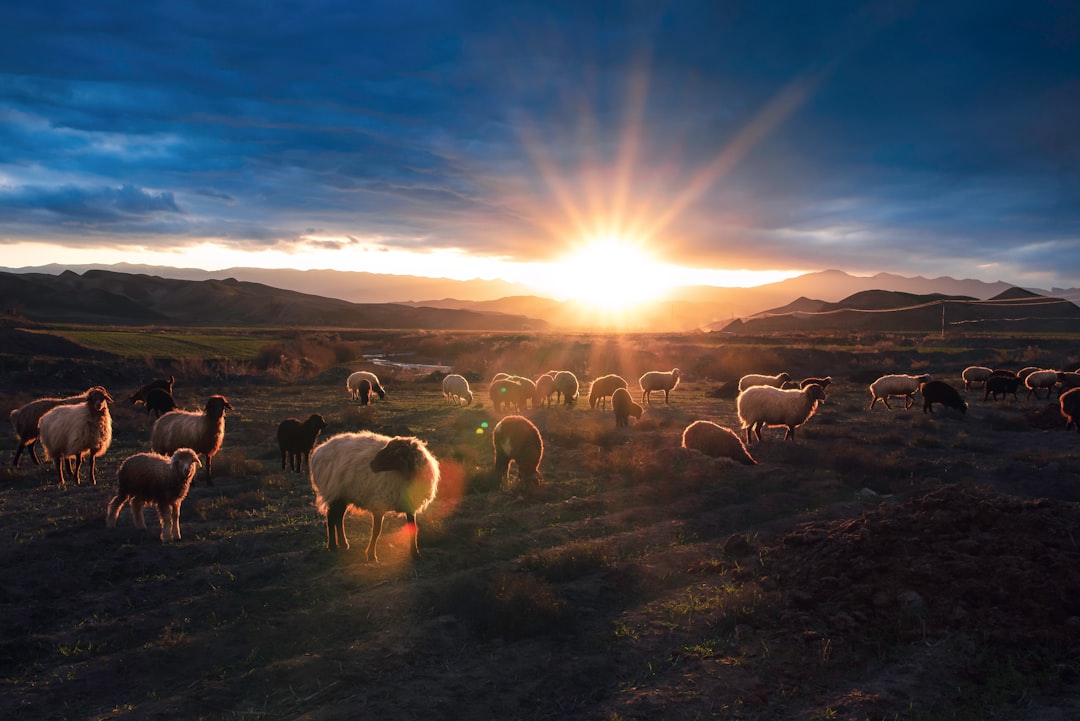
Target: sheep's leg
{"x": 414, "y": 531}
{"x": 909, "y": 401}
{"x": 137, "y": 513}
{"x": 885, "y": 400}
{"x": 376, "y": 531}
{"x": 114, "y": 510}
{"x": 60, "y": 468}
{"x": 209, "y": 474}
{"x": 176, "y": 520}
{"x": 757, "y": 429}
{"x": 790, "y": 435}
{"x": 335, "y": 526}
{"x": 166, "y": 517}
{"x": 666, "y": 396}
{"x": 284, "y": 455}
{"x": 93, "y": 475}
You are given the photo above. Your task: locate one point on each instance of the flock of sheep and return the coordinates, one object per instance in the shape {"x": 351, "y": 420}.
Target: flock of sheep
{"x": 381, "y": 474}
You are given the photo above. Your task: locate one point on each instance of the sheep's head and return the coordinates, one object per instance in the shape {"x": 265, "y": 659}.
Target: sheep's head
{"x": 815, "y": 393}
{"x": 399, "y": 454}
{"x": 185, "y": 463}
{"x": 216, "y": 405}
{"x": 636, "y": 410}
{"x": 97, "y": 398}
{"x": 316, "y": 422}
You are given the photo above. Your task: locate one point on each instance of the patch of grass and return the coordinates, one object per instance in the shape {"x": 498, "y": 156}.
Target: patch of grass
{"x": 507, "y": 605}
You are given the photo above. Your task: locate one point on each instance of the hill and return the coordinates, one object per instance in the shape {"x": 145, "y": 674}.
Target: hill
{"x": 100, "y": 297}
{"x": 880, "y": 310}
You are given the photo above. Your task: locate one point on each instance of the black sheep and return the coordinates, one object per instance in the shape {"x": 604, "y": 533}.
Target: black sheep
{"x": 943, "y": 393}
{"x": 996, "y": 385}
{"x": 159, "y": 401}
{"x": 296, "y": 439}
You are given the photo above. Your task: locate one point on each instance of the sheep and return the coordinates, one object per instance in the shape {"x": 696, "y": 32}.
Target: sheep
{"x": 1067, "y": 380}
{"x": 153, "y": 478}
{"x": 767, "y": 406}
{"x": 658, "y": 381}
{"x": 942, "y": 393}
{"x": 455, "y": 388}
{"x": 624, "y": 406}
{"x": 201, "y": 432}
{"x": 756, "y": 379}
{"x": 362, "y": 391}
{"x": 823, "y": 382}
{"x": 716, "y": 441}
{"x": 26, "y": 421}
{"x": 545, "y": 387}
{"x": 528, "y": 390}
{"x": 603, "y": 387}
{"x": 296, "y": 439}
{"x": 506, "y": 393}
{"x": 1024, "y": 372}
{"x": 70, "y": 431}
{"x": 159, "y": 402}
{"x": 896, "y": 385}
{"x": 353, "y": 383}
{"x": 1070, "y": 408}
{"x": 1040, "y": 379}
{"x": 373, "y": 473}
{"x": 515, "y": 438}
{"x": 566, "y": 384}
{"x": 1001, "y": 385}
{"x": 164, "y": 384}
{"x": 975, "y": 374}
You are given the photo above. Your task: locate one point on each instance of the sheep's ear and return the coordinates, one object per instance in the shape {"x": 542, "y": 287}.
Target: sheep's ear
{"x": 398, "y": 455}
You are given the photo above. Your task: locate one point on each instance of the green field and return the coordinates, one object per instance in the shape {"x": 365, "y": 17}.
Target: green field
{"x": 204, "y": 345}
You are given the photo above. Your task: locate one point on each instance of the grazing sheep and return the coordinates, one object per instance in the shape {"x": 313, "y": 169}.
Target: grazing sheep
{"x": 515, "y": 438}
{"x": 201, "y": 432}
{"x": 975, "y": 374}
{"x": 159, "y": 402}
{"x": 165, "y": 384}
{"x": 624, "y": 407}
{"x": 1067, "y": 380}
{"x": 296, "y": 439}
{"x": 566, "y": 385}
{"x": 1070, "y": 408}
{"x": 823, "y": 382}
{"x": 373, "y": 473}
{"x": 26, "y": 421}
{"x": 603, "y": 387}
{"x": 756, "y": 379}
{"x": 71, "y": 431}
{"x": 362, "y": 391}
{"x": 505, "y": 394}
{"x": 942, "y": 393}
{"x": 152, "y": 478}
{"x": 996, "y": 385}
{"x": 353, "y": 384}
{"x": 1040, "y": 379}
{"x": 528, "y": 390}
{"x": 716, "y": 441}
{"x": 545, "y": 388}
{"x": 898, "y": 385}
{"x": 767, "y": 406}
{"x": 455, "y": 388}
{"x": 658, "y": 381}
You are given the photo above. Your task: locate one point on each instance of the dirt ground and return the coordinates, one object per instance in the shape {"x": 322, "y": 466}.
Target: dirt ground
{"x": 883, "y": 565}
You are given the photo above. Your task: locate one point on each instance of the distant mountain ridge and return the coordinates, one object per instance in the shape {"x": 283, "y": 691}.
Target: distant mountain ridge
{"x": 101, "y": 297}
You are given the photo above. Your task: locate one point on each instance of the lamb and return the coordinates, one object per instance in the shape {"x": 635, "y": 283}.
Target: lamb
{"x": 624, "y": 407}
{"x": 896, "y": 385}
{"x": 823, "y": 382}
{"x": 603, "y": 387}
{"x": 1070, "y": 408}
{"x": 353, "y": 383}
{"x": 69, "y": 432}
{"x": 756, "y": 379}
{"x": 296, "y": 439}
{"x": 506, "y": 393}
{"x": 566, "y": 384}
{"x": 764, "y": 405}
{"x": 658, "y": 381}
{"x": 996, "y": 385}
{"x": 716, "y": 441}
{"x": 159, "y": 402}
{"x": 26, "y": 421}
{"x": 942, "y": 393}
{"x": 545, "y": 387}
{"x": 373, "y": 473}
{"x": 1041, "y": 379}
{"x": 975, "y": 374}
{"x": 201, "y": 432}
{"x": 515, "y": 438}
{"x": 455, "y": 388}
{"x": 152, "y": 478}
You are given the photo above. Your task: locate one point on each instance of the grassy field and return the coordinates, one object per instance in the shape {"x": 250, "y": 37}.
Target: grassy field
{"x": 883, "y": 565}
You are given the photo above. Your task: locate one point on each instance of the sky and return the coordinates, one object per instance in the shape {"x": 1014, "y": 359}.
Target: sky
{"x": 558, "y": 143}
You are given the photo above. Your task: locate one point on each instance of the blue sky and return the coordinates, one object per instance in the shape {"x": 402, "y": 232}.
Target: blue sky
{"x": 477, "y": 138}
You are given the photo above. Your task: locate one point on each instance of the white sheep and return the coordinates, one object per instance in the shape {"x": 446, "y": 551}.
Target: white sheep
{"x": 26, "y": 421}
{"x": 767, "y": 406}
{"x": 717, "y": 441}
{"x": 202, "y": 432}
{"x": 1041, "y": 379}
{"x": 515, "y": 438}
{"x": 153, "y": 478}
{"x": 658, "y": 381}
{"x": 624, "y": 407}
{"x": 373, "y": 473}
{"x": 975, "y": 374}
{"x": 455, "y": 388}
{"x": 69, "y": 432}
{"x": 757, "y": 379}
{"x": 603, "y": 387}
{"x": 898, "y": 385}
{"x": 353, "y": 384}
{"x": 566, "y": 385}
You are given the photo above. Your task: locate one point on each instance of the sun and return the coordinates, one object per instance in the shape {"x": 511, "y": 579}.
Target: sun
{"x": 609, "y": 273}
